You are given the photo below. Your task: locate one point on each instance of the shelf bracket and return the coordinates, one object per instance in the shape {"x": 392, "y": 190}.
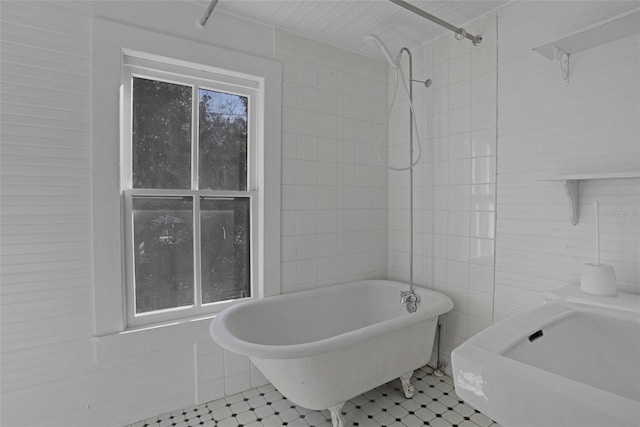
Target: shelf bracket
{"x": 563, "y": 59}
{"x": 571, "y": 189}
{"x": 571, "y": 184}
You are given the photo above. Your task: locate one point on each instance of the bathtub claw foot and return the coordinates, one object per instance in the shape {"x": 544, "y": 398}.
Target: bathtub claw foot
{"x": 408, "y": 389}
{"x": 337, "y": 420}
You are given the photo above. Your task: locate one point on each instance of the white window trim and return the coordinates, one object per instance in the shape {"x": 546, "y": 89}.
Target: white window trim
{"x": 138, "y": 64}
{"x": 111, "y": 41}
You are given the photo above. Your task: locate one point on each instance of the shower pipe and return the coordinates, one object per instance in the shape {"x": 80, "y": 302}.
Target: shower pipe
{"x": 396, "y": 64}
{"x": 461, "y": 33}
{"x": 408, "y": 52}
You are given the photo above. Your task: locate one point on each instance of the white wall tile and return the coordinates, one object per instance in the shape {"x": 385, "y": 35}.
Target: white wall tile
{"x": 460, "y": 94}
{"x": 307, "y": 197}
{"x": 327, "y": 244}
{"x": 483, "y": 170}
{"x": 460, "y": 172}
{"x": 483, "y": 60}
{"x": 307, "y": 172}
{"x": 328, "y": 267}
{"x": 327, "y": 125}
{"x": 307, "y": 270}
{"x": 459, "y": 146}
{"x": 307, "y": 247}
{"x": 236, "y": 383}
{"x": 484, "y": 88}
{"x": 210, "y": 390}
{"x": 289, "y": 95}
{"x": 459, "y": 68}
{"x": 289, "y": 274}
{"x": 460, "y": 120}
{"x": 458, "y": 197}
{"x": 481, "y": 305}
{"x": 235, "y": 363}
{"x": 483, "y": 115}
{"x": 458, "y": 248}
{"x": 327, "y": 150}
{"x": 483, "y": 142}
{"x": 288, "y": 223}
{"x": 307, "y": 123}
{"x": 483, "y": 197}
{"x": 307, "y": 222}
{"x": 477, "y": 325}
{"x": 289, "y": 70}
{"x": 289, "y": 197}
{"x": 289, "y": 120}
{"x": 257, "y": 379}
{"x": 307, "y": 73}
{"x": 483, "y": 225}
{"x": 327, "y": 197}
{"x": 211, "y": 367}
{"x": 289, "y": 146}
{"x": 481, "y": 278}
{"x": 333, "y": 123}
{"x": 289, "y": 171}
{"x": 289, "y": 248}
{"x": 457, "y": 323}
{"x": 458, "y": 273}
{"x": 327, "y": 78}
{"x": 481, "y": 251}
{"x": 458, "y": 223}
{"x": 327, "y": 101}
{"x": 306, "y": 98}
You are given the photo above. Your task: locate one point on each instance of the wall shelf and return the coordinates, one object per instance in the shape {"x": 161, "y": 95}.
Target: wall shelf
{"x": 612, "y": 29}
{"x": 571, "y": 183}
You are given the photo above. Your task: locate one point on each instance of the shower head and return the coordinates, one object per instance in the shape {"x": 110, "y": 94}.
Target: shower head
{"x": 393, "y": 62}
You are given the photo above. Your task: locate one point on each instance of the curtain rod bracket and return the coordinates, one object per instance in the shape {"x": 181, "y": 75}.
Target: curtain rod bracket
{"x": 460, "y": 32}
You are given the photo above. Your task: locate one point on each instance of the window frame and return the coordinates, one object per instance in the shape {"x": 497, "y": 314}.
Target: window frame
{"x": 136, "y": 66}
{"x": 111, "y": 41}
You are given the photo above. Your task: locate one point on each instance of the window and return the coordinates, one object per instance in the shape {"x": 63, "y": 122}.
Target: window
{"x": 189, "y": 188}
{"x": 119, "y": 52}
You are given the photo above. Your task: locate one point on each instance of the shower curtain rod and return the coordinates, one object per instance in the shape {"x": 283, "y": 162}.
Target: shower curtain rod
{"x": 207, "y": 14}
{"x": 460, "y": 32}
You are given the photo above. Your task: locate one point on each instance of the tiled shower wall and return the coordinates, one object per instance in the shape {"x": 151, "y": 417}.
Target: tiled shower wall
{"x": 454, "y": 197}
{"x": 334, "y": 192}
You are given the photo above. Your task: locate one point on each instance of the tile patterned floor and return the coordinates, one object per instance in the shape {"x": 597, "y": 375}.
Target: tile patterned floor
{"x": 434, "y": 404}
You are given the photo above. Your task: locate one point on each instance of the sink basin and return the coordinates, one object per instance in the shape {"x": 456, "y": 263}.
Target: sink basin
{"x": 574, "y": 361}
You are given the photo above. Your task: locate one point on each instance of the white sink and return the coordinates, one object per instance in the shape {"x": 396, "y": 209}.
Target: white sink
{"x": 574, "y": 361}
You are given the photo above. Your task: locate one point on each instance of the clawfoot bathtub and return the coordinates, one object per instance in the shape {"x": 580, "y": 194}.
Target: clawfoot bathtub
{"x": 322, "y": 347}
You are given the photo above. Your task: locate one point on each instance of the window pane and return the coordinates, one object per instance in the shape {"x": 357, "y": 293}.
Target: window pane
{"x": 223, "y": 141}
{"x": 163, "y": 253}
{"x": 161, "y": 134}
{"x": 225, "y": 249}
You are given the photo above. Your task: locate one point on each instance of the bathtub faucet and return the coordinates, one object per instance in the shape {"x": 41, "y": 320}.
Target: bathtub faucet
{"x": 411, "y": 299}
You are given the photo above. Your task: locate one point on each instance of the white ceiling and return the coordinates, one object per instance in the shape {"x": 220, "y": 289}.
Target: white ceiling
{"x": 344, "y": 23}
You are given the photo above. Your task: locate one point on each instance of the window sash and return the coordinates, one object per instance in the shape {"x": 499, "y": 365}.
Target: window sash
{"x": 198, "y": 308}
{"x": 126, "y": 120}
{"x": 170, "y": 73}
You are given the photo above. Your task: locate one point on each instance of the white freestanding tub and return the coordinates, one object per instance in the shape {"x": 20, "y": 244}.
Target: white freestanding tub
{"x": 322, "y": 347}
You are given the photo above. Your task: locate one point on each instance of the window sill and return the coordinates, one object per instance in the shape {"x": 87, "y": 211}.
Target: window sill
{"x": 150, "y": 338}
